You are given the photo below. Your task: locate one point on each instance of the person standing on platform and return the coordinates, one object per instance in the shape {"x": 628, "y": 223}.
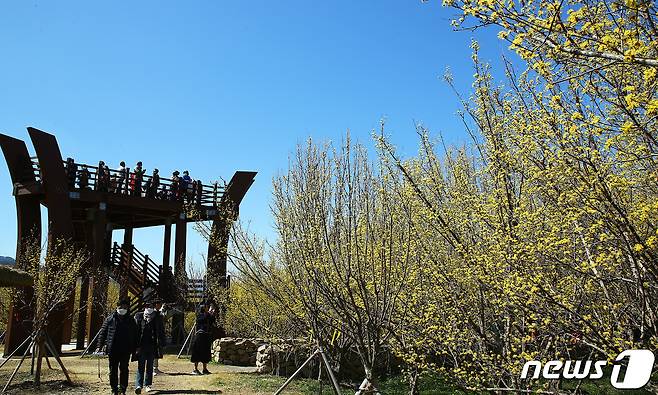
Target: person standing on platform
{"x": 83, "y": 180}
{"x": 117, "y": 336}
{"x": 186, "y": 185}
{"x": 175, "y": 184}
{"x": 71, "y": 172}
{"x": 201, "y": 350}
{"x": 136, "y": 180}
{"x": 101, "y": 178}
{"x": 150, "y": 339}
{"x": 153, "y": 184}
{"x": 123, "y": 176}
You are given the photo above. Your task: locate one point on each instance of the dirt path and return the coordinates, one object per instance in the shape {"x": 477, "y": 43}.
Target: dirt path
{"x": 177, "y": 379}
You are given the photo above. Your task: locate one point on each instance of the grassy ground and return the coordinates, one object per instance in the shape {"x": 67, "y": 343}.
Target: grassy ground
{"x": 177, "y": 379}
{"x": 255, "y": 384}
{"x": 228, "y": 380}
{"x": 258, "y": 384}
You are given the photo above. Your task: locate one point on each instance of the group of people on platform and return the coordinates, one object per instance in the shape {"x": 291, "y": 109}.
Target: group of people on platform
{"x": 123, "y": 181}
{"x": 142, "y": 339}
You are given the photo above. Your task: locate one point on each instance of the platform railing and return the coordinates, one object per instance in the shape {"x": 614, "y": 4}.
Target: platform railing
{"x": 87, "y": 177}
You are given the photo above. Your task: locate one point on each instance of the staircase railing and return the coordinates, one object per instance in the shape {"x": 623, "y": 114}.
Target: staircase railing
{"x": 138, "y": 267}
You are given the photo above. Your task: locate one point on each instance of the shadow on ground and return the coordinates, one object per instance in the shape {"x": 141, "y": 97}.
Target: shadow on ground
{"x": 177, "y": 374}
{"x": 187, "y": 392}
{"x": 50, "y": 386}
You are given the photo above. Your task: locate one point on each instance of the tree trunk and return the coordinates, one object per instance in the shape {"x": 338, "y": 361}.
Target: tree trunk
{"x": 412, "y": 379}
{"x": 40, "y": 353}
{"x": 369, "y": 384}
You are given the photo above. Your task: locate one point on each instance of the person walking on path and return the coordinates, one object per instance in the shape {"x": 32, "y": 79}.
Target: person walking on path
{"x": 161, "y": 314}
{"x": 205, "y": 322}
{"x": 117, "y": 336}
{"x": 150, "y": 339}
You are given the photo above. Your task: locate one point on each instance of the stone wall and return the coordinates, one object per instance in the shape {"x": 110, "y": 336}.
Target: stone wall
{"x": 283, "y": 357}
{"x": 236, "y": 351}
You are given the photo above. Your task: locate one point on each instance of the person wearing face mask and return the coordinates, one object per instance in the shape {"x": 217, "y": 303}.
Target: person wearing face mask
{"x": 117, "y": 337}
{"x": 150, "y": 338}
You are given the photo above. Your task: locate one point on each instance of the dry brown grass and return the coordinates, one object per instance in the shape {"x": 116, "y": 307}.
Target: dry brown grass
{"x": 84, "y": 372}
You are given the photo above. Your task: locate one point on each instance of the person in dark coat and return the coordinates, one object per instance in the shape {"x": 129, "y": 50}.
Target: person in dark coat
{"x": 83, "y": 179}
{"x": 102, "y": 182}
{"x": 117, "y": 336}
{"x": 205, "y": 323}
{"x": 153, "y": 184}
{"x": 150, "y": 340}
{"x": 71, "y": 172}
{"x": 161, "y": 312}
{"x": 175, "y": 189}
{"x": 136, "y": 180}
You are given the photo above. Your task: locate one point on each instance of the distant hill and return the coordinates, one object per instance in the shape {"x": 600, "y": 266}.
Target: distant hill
{"x": 7, "y": 260}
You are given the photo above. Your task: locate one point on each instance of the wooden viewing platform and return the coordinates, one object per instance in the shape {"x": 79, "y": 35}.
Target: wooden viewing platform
{"x": 87, "y": 203}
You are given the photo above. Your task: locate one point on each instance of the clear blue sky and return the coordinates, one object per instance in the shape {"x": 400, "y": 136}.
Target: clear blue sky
{"x": 215, "y": 87}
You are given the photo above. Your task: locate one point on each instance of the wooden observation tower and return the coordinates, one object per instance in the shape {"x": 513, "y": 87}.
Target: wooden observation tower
{"x": 86, "y": 203}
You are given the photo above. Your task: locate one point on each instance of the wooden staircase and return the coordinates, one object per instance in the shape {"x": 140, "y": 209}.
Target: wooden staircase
{"x": 139, "y": 274}
{"x": 136, "y": 271}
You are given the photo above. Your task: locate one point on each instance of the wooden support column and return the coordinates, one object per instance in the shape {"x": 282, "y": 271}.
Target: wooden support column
{"x": 180, "y": 281}
{"x": 219, "y": 236}
{"x": 99, "y": 281}
{"x": 164, "y": 280}
{"x": 166, "y": 249}
{"x": 84, "y": 281}
{"x": 28, "y": 221}
{"x": 180, "y": 246}
{"x": 126, "y": 261}
{"x": 128, "y": 236}
{"x": 82, "y": 313}
{"x": 97, "y": 305}
{"x": 217, "y": 250}
{"x": 66, "y": 324}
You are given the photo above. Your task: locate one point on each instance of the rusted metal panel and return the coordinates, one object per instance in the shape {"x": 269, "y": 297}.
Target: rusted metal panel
{"x": 238, "y": 187}
{"x": 55, "y": 186}
{"x": 28, "y": 221}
